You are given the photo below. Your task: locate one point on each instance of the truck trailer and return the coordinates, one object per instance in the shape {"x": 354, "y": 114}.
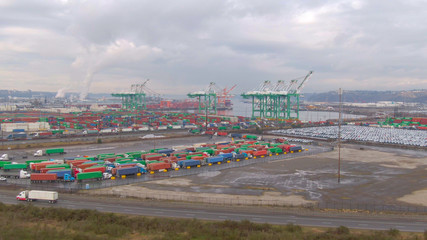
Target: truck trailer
{"x": 33, "y": 195}
{"x": 49, "y": 152}
{"x": 15, "y": 173}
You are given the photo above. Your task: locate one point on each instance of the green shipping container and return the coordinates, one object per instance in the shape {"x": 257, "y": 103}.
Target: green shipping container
{"x": 55, "y": 151}
{"x": 85, "y": 158}
{"x": 58, "y": 166}
{"x": 4, "y": 163}
{"x": 28, "y": 162}
{"x": 89, "y": 175}
{"x": 156, "y": 150}
{"x": 15, "y": 166}
{"x": 189, "y": 156}
{"x": 275, "y": 150}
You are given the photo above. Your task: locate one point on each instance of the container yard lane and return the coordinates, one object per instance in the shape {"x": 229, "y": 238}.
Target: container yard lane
{"x": 215, "y": 213}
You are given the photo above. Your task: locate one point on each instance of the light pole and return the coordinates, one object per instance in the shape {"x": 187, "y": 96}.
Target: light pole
{"x": 339, "y": 136}
{"x": 206, "y": 117}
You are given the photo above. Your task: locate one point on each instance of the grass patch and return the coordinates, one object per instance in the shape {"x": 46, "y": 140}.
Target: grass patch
{"x": 30, "y": 222}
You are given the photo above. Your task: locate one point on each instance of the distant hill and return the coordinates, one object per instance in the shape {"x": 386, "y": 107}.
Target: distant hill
{"x": 415, "y": 96}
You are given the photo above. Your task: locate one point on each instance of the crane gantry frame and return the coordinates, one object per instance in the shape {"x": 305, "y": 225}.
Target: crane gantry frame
{"x": 279, "y": 101}
{"x": 136, "y": 98}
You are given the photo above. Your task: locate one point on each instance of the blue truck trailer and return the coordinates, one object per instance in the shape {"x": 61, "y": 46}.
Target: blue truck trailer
{"x": 226, "y": 156}
{"x": 127, "y": 171}
{"x": 166, "y": 151}
{"x": 216, "y": 159}
{"x": 17, "y": 136}
{"x": 60, "y": 173}
{"x": 295, "y": 149}
{"x": 188, "y": 163}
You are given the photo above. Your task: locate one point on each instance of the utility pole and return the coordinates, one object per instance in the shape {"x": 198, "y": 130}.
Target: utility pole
{"x": 206, "y": 117}
{"x": 339, "y": 136}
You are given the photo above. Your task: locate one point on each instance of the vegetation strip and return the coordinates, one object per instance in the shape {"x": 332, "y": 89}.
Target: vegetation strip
{"x": 30, "y": 222}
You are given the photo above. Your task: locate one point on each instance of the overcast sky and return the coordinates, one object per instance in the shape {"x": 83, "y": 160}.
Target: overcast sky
{"x": 181, "y": 46}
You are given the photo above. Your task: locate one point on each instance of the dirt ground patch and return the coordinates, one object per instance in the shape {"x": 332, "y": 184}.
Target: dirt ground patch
{"x": 368, "y": 175}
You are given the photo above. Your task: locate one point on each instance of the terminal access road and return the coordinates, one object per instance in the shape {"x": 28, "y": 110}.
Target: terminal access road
{"x": 221, "y": 213}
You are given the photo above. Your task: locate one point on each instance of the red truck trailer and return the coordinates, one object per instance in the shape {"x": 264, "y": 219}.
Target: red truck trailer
{"x": 158, "y": 166}
{"x": 43, "y": 177}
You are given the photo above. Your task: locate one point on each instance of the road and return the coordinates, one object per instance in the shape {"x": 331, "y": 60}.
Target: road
{"x": 220, "y": 213}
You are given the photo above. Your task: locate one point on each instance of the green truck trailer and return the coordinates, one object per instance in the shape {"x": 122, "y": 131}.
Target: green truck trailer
{"x": 55, "y": 151}
{"x": 14, "y": 166}
{"x": 89, "y": 176}
{"x": 48, "y": 152}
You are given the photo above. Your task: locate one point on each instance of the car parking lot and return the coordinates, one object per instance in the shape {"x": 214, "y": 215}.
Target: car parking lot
{"x": 362, "y": 133}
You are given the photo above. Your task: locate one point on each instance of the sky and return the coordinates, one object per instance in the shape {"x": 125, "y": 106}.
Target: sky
{"x": 103, "y": 46}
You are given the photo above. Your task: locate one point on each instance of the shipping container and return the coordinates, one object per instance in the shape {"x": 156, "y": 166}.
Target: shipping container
{"x": 14, "y": 166}
{"x": 89, "y": 176}
{"x": 43, "y": 177}
{"x": 189, "y": 163}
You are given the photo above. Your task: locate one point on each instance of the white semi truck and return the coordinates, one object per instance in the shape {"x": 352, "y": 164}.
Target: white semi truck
{"x": 33, "y": 195}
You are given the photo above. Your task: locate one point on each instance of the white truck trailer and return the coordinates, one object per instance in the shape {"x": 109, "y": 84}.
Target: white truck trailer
{"x": 33, "y": 195}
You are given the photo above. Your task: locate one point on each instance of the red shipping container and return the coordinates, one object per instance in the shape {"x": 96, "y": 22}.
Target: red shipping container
{"x": 39, "y": 166}
{"x": 260, "y": 153}
{"x": 44, "y": 170}
{"x": 153, "y": 157}
{"x": 158, "y": 166}
{"x": 84, "y": 166}
{"x": 43, "y": 177}
{"x": 97, "y": 169}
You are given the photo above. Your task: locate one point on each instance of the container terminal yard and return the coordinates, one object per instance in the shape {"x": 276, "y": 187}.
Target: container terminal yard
{"x": 267, "y": 160}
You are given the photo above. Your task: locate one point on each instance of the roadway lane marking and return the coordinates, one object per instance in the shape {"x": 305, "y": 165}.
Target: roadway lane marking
{"x": 222, "y": 217}
{"x": 326, "y": 222}
{"x": 190, "y": 214}
{"x": 127, "y": 210}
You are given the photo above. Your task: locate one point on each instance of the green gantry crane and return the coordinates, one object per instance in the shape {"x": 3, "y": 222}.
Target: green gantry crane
{"x": 135, "y": 99}
{"x": 279, "y": 101}
{"x": 207, "y": 99}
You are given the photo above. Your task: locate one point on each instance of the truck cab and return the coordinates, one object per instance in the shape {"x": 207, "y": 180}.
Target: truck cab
{"x": 38, "y": 153}
{"x": 22, "y": 196}
{"x": 68, "y": 178}
{"x": 4, "y": 157}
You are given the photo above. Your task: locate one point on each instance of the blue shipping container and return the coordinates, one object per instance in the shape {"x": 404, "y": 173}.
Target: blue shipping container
{"x": 295, "y": 149}
{"x": 60, "y": 173}
{"x": 215, "y": 159}
{"x": 18, "y": 130}
{"x": 236, "y": 135}
{"x": 226, "y": 155}
{"x": 166, "y": 151}
{"x": 188, "y": 163}
{"x": 127, "y": 171}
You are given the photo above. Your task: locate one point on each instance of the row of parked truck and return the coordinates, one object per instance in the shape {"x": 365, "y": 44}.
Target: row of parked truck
{"x": 111, "y": 165}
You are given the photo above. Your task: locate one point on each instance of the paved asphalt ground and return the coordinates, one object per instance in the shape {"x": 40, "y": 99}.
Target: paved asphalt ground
{"x": 259, "y": 215}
